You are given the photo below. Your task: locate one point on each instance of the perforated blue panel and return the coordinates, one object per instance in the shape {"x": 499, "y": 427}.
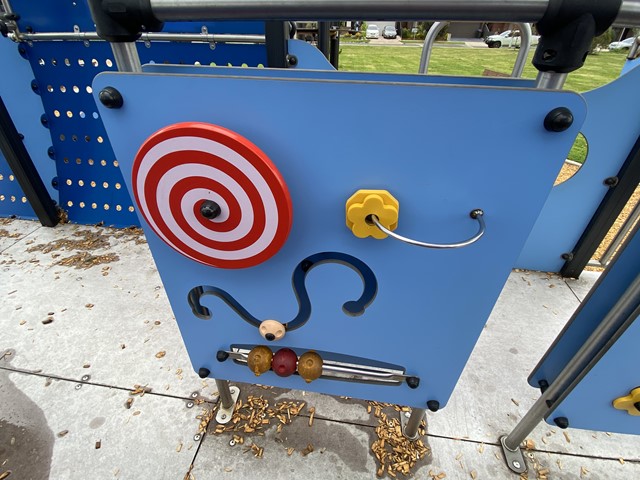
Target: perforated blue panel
{"x": 85, "y": 170}
{"x": 89, "y": 180}
{"x": 63, "y": 15}
{"x": 25, "y": 109}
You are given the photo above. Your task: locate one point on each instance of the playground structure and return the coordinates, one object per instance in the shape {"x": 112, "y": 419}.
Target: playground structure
{"x": 134, "y": 133}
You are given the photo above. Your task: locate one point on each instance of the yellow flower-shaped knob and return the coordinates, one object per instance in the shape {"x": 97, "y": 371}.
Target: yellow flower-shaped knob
{"x": 364, "y": 203}
{"x": 630, "y": 403}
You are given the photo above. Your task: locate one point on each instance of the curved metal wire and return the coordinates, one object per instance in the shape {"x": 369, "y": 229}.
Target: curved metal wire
{"x": 476, "y": 214}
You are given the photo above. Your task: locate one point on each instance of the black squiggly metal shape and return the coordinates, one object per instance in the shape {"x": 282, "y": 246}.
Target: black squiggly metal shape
{"x": 352, "y": 308}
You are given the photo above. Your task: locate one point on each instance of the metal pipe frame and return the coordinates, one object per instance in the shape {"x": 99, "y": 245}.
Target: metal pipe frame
{"x": 628, "y": 225}
{"x": 436, "y": 28}
{"x": 618, "y": 318}
{"x": 518, "y": 11}
{"x": 145, "y": 37}
{"x": 410, "y": 429}
{"x": 126, "y": 57}
{"x": 225, "y": 393}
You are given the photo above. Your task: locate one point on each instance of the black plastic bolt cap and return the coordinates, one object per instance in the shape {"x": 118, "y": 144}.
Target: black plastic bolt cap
{"x": 110, "y": 97}
{"x": 413, "y": 382}
{"x": 221, "y": 356}
{"x": 270, "y": 336}
{"x": 558, "y": 120}
{"x": 611, "y": 181}
{"x": 433, "y": 405}
{"x": 210, "y": 209}
{"x": 204, "y": 372}
{"x": 562, "y": 422}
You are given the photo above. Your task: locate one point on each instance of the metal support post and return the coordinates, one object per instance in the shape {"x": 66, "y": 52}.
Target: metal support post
{"x": 126, "y": 56}
{"x": 550, "y": 80}
{"x": 225, "y": 393}
{"x": 228, "y": 398}
{"x": 411, "y": 424}
{"x": 623, "y": 313}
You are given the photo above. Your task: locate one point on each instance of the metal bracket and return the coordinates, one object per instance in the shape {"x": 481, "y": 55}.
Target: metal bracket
{"x": 224, "y": 415}
{"x": 514, "y": 458}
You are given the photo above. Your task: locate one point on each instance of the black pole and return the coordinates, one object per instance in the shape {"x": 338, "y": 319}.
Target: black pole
{"x": 277, "y": 36}
{"x": 621, "y": 187}
{"x": 324, "y": 38}
{"x": 25, "y": 171}
{"x": 334, "y": 57}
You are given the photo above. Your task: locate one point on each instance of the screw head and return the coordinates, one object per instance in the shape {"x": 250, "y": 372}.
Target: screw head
{"x": 194, "y": 395}
{"x": 292, "y": 60}
{"x": 516, "y": 464}
{"x": 34, "y": 86}
{"x": 232, "y": 442}
{"x": 190, "y": 404}
{"x": 86, "y": 378}
{"x": 433, "y": 405}
{"x": 111, "y": 98}
{"x": 567, "y": 256}
{"x": 51, "y": 152}
{"x": 78, "y": 386}
{"x": 197, "y": 437}
{"x": 223, "y": 416}
{"x": 558, "y": 120}
{"x": 203, "y": 372}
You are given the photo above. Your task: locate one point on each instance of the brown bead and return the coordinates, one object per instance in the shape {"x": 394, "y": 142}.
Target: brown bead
{"x": 310, "y": 366}
{"x": 259, "y": 360}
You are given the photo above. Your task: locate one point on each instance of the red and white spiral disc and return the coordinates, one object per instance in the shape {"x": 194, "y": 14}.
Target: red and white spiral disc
{"x": 183, "y": 165}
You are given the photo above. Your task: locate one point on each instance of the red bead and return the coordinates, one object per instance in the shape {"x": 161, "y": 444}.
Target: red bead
{"x": 284, "y": 362}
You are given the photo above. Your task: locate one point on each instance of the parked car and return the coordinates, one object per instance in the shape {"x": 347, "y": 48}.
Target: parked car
{"x": 389, "y": 32}
{"x": 510, "y": 38}
{"x": 372, "y": 31}
{"x": 623, "y": 45}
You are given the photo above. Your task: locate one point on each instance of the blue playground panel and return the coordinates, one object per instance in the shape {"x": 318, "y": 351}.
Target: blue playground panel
{"x": 602, "y": 297}
{"x": 412, "y": 322}
{"x": 589, "y": 404}
{"x": 611, "y": 129}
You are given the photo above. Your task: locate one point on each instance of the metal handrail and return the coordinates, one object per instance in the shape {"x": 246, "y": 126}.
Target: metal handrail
{"x": 518, "y": 67}
{"x": 529, "y": 11}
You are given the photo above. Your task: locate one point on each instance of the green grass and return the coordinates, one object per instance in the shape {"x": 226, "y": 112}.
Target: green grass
{"x": 598, "y": 70}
